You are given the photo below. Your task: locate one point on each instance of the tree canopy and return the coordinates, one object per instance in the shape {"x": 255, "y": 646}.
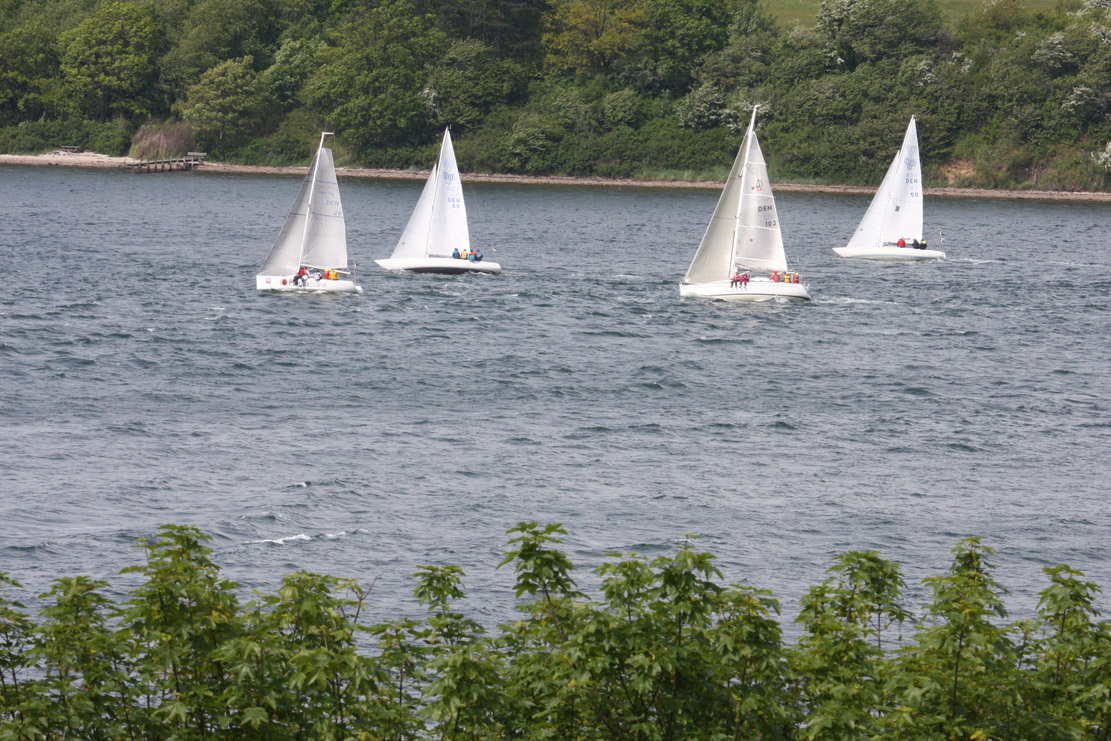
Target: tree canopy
{"x": 1006, "y": 96}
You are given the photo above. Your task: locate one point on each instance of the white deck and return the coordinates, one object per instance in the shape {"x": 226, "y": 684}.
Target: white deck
{"x": 438, "y": 265}
{"x": 758, "y": 289}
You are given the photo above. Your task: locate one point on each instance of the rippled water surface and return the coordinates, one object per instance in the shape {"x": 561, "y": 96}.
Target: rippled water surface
{"x": 143, "y": 380}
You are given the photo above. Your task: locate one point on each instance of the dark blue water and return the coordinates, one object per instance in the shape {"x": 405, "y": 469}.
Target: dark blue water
{"x": 143, "y": 381}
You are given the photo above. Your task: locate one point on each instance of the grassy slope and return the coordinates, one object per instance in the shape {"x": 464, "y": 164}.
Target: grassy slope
{"x": 803, "y": 12}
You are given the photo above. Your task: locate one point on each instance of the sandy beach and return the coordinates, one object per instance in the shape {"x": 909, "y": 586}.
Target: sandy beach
{"x": 89, "y": 159}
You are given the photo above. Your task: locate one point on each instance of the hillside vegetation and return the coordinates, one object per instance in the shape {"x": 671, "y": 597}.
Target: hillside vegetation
{"x": 1006, "y": 95}
{"x": 667, "y": 651}
{"x": 805, "y": 12}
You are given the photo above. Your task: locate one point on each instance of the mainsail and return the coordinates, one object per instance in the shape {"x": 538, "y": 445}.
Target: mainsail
{"x": 896, "y": 209}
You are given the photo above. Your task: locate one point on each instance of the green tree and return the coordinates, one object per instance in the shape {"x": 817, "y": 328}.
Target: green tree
{"x": 841, "y": 671}
{"x": 1067, "y": 658}
{"x": 678, "y": 36}
{"x": 173, "y": 624}
{"x": 30, "y": 78}
{"x": 587, "y": 36}
{"x": 959, "y": 681}
{"x": 230, "y": 100}
{"x": 16, "y": 640}
{"x": 467, "y": 82}
{"x": 294, "y": 63}
{"x": 510, "y": 27}
{"x": 220, "y": 30}
{"x": 313, "y": 626}
{"x": 868, "y": 30}
{"x": 369, "y": 86}
{"x": 110, "y": 62}
{"x": 86, "y": 676}
{"x": 465, "y": 673}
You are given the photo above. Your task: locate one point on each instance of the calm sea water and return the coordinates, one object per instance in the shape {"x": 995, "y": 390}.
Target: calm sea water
{"x": 144, "y": 381}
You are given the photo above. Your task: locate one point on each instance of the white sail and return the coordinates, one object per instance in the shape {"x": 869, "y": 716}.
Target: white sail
{"x": 896, "y": 209}
{"x": 438, "y": 225}
{"x": 759, "y": 242}
{"x": 325, "y": 244}
{"x": 414, "y": 240}
{"x": 313, "y": 233}
{"x": 714, "y": 257}
{"x": 285, "y": 255}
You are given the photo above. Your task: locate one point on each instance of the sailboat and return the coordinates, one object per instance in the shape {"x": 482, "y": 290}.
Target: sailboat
{"x": 310, "y": 254}
{"x": 895, "y": 212}
{"x": 436, "y": 239}
{"x": 743, "y": 235}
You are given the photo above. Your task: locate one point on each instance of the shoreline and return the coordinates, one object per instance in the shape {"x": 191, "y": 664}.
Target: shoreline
{"x": 91, "y": 160}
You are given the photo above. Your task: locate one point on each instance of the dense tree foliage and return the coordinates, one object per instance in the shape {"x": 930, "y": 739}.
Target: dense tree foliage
{"x": 667, "y": 650}
{"x": 1005, "y": 97}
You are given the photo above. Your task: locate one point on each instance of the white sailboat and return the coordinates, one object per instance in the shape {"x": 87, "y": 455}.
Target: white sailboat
{"x": 743, "y": 237}
{"x": 895, "y": 212}
{"x": 310, "y": 254}
{"x": 436, "y": 239}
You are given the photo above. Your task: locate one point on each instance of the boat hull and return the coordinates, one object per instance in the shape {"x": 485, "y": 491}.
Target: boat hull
{"x": 448, "y": 265}
{"x": 284, "y": 284}
{"x": 891, "y": 253}
{"x": 758, "y": 289}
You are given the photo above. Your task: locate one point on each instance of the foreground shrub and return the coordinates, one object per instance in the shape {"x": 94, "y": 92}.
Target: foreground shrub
{"x": 667, "y": 650}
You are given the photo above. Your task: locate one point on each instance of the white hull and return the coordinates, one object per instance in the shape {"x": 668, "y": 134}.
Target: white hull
{"x": 285, "y": 283}
{"x": 758, "y": 289}
{"x": 890, "y": 253}
{"x": 451, "y": 265}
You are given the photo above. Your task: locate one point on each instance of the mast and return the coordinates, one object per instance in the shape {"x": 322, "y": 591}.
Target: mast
{"x": 740, "y": 199}
{"x": 308, "y": 204}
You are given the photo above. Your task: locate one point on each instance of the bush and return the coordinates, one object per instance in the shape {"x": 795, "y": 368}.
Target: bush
{"x": 668, "y": 650}
{"x": 35, "y": 137}
{"x": 162, "y": 140}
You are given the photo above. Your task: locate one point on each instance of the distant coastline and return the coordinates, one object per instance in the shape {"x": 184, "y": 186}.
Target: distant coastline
{"x": 88, "y": 159}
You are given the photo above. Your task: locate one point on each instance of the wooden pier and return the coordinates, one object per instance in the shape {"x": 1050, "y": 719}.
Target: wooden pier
{"x": 190, "y": 161}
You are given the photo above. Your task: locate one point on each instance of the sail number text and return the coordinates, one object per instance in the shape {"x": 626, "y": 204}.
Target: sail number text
{"x": 769, "y": 214}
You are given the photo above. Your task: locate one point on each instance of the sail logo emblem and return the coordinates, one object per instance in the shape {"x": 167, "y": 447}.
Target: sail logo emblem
{"x": 910, "y": 162}
{"x": 759, "y": 186}
{"x": 449, "y": 177}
